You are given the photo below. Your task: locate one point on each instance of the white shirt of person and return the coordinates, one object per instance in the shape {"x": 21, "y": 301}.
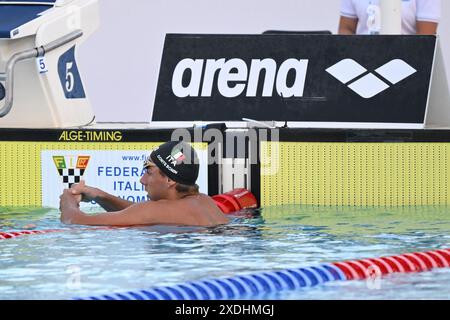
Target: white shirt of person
{"x": 412, "y": 11}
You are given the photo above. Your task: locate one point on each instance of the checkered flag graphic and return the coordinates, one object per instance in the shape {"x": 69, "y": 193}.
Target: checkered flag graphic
{"x": 71, "y": 176}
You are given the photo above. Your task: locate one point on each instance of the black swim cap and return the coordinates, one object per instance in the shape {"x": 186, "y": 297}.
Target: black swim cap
{"x": 177, "y": 160}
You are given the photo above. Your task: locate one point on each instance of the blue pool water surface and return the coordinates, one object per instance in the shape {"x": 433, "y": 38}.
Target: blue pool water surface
{"x": 81, "y": 262}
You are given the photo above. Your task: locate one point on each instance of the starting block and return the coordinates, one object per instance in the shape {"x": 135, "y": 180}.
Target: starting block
{"x": 38, "y": 40}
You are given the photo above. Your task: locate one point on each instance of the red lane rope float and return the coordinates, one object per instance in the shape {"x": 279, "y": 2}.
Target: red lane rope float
{"x": 15, "y": 234}
{"x": 235, "y": 200}
{"x": 405, "y": 263}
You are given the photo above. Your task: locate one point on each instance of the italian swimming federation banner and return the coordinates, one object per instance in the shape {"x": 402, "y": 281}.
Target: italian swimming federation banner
{"x": 298, "y": 78}
{"x": 116, "y": 172}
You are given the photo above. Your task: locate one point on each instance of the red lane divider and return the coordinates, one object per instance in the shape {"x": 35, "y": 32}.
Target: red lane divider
{"x": 409, "y": 262}
{"x": 15, "y": 234}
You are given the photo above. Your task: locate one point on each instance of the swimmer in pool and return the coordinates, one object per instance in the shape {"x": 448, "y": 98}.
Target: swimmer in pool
{"x": 170, "y": 177}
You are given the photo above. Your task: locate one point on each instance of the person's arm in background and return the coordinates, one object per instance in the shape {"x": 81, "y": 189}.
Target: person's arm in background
{"x": 426, "y": 27}
{"x": 348, "y": 18}
{"x": 347, "y": 25}
{"x": 427, "y": 16}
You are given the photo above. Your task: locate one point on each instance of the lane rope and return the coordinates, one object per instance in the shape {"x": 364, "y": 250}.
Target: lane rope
{"x": 245, "y": 286}
{"x": 15, "y": 234}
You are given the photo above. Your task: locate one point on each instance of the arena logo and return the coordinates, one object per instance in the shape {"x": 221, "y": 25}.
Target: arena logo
{"x": 370, "y": 85}
{"x": 196, "y": 77}
{"x": 71, "y": 168}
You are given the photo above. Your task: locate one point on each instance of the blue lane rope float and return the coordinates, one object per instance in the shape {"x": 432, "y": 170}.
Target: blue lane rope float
{"x": 235, "y": 287}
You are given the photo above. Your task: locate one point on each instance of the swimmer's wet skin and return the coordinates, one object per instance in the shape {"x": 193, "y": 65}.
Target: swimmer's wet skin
{"x": 170, "y": 178}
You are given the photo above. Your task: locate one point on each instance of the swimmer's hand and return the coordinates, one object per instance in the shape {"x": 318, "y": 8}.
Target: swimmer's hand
{"x": 69, "y": 205}
{"x": 84, "y": 192}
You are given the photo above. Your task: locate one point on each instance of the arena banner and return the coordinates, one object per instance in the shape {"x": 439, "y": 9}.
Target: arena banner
{"x": 304, "y": 78}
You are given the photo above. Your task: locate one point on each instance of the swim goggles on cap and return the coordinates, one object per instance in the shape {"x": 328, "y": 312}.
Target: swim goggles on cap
{"x": 148, "y": 163}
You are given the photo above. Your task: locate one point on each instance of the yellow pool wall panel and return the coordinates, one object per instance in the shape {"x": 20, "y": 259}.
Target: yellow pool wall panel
{"x": 308, "y": 173}
{"x": 355, "y": 174}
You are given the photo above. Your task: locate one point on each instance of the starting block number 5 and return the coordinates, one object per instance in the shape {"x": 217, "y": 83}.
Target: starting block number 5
{"x": 41, "y": 64}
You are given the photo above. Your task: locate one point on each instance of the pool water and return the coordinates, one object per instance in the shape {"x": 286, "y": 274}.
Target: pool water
{"x": 81, "y": 262}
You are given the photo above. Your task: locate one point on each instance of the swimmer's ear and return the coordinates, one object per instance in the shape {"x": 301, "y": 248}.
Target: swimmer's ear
{"x": 170, "y": 182}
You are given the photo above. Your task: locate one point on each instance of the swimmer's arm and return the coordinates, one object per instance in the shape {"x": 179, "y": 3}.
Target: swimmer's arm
{"x": 104, "y": 199}
{"x": 111, "y": 203}
{"x": 147, "y": 213}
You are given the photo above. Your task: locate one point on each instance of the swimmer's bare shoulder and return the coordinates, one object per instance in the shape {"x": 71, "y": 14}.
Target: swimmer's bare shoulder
{"x": 203, "y": 210}
{"x": 193, "y": 210}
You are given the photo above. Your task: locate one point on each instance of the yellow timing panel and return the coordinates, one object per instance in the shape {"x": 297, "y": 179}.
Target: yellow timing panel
{"x": 20, "y": 169}
{"x": 355, "y": 174}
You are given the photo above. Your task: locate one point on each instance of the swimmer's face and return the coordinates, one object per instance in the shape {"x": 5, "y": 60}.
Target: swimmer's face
{"x": 154, "y": 182}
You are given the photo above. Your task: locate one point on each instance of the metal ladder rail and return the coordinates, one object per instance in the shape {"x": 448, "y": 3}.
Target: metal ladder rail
{"x": 8, "y": 75}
